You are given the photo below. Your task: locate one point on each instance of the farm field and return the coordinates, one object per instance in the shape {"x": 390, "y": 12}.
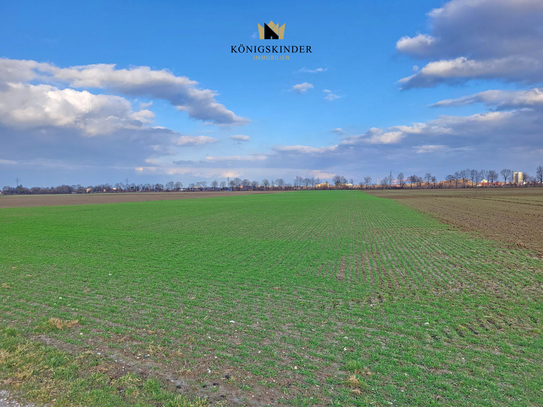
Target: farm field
{"x": 299, "y": 298}
{"x": 512, "y": 215}
{"x": 22, "y": 201}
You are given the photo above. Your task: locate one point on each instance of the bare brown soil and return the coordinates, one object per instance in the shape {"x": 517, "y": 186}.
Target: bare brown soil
{"x": 511, "y": 215}
{"x": 20, "y": 201}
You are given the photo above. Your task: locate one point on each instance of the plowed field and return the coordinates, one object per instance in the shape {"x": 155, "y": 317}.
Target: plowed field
{"x": 24, "y": 201}
{"x": 512, "y": 215}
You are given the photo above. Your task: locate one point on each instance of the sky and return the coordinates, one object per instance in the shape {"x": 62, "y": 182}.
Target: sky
{"x": 150, "y": 91}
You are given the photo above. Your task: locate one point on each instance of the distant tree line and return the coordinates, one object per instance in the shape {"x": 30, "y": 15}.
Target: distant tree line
{"x": 466, "y": 178}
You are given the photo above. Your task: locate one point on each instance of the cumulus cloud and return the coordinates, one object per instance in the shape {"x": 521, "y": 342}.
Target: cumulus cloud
{"x": 330, "y": 96}
{"x": 25, "y": 106}
{"x": 141, "y": 81}
{"x": 420, "y": 45}
{"x": 316, "y": 70}
{"x": 479, "y": 39}
{"x": 195, "y": 140}
{"x": 240, "y": 138}
{"x": 302, "y": 87}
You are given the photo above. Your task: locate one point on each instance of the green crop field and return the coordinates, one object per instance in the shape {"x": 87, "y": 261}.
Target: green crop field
{"x": 300, "y": 298}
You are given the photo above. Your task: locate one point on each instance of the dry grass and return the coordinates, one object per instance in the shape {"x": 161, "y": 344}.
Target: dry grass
{"x": 61, "y": 323}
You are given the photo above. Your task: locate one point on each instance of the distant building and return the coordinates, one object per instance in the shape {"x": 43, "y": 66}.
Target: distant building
{"x": 518, "y": 178}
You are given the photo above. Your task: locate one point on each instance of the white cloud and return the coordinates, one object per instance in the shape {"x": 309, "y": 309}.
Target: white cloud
{"x": 142, "y": 81}
{"x": 338, "y": 130}
{"x": 7, "y": 162}
{"x": 321, "y": 174}
{"x": 430, "y": 148}
{"x": 479, "y": 39}
{"x": 305, "y": 70}
{"x": 499, "y": 98}
{"x": 143, "y": 116}
{"x": 253, "y": 157}
{"x": 329, "y": 95}
{"x": 195, "y": 140}
{"x": 240, "y": 138}
{"x": 305, "y": 149}
{"x": 376, "y": 136}
{"x": 26, "y": 106}
{"x": 302, "y": 87}
{"x": 419, "y": 45}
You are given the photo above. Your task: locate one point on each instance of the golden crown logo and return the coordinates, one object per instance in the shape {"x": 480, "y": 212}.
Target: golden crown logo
{"x": 271, "y": 31}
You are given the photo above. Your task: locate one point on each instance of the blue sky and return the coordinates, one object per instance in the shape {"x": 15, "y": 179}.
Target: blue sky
{"x": 98, "y": 92}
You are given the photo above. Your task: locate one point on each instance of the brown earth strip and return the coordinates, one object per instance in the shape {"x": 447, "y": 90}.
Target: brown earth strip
{"x": 20, "y": 201}
{"x": 510, "y": 215}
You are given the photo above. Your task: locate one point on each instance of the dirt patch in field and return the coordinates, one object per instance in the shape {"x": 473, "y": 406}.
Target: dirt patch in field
{"x": 20, "y": 201}
{"x": 510, "y": 215}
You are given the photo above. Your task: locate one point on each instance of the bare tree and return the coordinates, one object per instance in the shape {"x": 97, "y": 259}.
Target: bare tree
{"x": 266, "y": 183}
{"x": 367, "y": 181}
{"x": 428, "y": 178}
{"x": 339, "y": 180}
{"x": 307, "y": 182}
{"x": 254, "y": 185}
{"x": 492, "y": 176}
{"x": 473, "y": 177}
{"x": 413, "y": 179}
{"x": 401, "y": 179}
{"x": 456, "y": 178}
{"x": 223, "y": 184}
{"x": 280, "y": 183}
{"x": 464, "y": 175}
{"x": 506, "y": 174}
{"x": 539, "y": 174}
{"x": 481, "y": 175}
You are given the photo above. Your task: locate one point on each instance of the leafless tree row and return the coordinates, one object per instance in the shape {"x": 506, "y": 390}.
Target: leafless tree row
{"x": 460, "y": 179}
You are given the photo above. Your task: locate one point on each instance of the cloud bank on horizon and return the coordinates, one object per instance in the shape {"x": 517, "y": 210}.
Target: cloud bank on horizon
{"x": 92, "y": 115}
